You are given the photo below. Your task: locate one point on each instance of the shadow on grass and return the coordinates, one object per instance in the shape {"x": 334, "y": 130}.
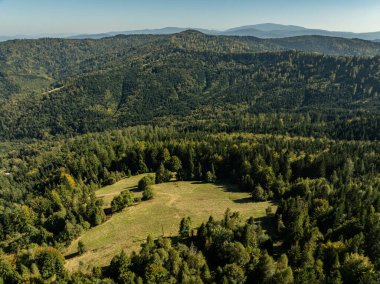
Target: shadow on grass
{"x": 198, "y": 182}
{"x": 134, "y": 189}
{"x": 229, "y": 187}
{"x": 72, "y": 255}
{"x": 223, "y": 185}
{"x": 244, "y": 200}
{"x": 108, "y": 211}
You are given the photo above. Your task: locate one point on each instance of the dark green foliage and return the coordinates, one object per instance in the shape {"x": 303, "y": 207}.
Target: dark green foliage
{"x": 81, "y": 248}
{"x": 146, "y": 181}
{"x": 242, "y": 160}
{"x": 214, "y": 92}
{"x": 174, "y": 164}
{"x": 40, "y": 265}
{"x": 189, "y": 80}
{"x": 50, "y": 263}
{"x": 7, "y": 273}
{"x": 161, "y": 261}
{"x": 122, "y": 201}
{"x": 329, "y": 45}
{"x": 355, "y": 267}
{"x": 163, "y": 175}
{"x": 327, "y": 232}
{"x": 148, "y": 193}
{"x": 119, "y": 267}
{"x": 210, "y": 177}
{"x": 185, "y": 227}
{"x": 234, "y": 252}
{"x": 233, "y": 274}
{"x": 259, "y": 194}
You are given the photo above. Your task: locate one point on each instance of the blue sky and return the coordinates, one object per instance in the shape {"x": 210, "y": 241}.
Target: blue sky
{"x": 96, "y": 16}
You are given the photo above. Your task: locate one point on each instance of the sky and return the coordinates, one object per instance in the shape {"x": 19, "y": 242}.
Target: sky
{"x": 31, "y": 17}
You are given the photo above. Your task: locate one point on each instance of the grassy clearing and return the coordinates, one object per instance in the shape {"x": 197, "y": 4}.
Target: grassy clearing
{"x": 109, "y": 192}
{"x": 160, "y": 216}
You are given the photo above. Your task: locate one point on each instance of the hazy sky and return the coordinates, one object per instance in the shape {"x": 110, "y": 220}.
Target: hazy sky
{"x": 95, "y": 16}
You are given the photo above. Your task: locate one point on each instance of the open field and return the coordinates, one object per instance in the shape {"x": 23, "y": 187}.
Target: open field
{"x": 160, "y": 216}
{"x": 107, "y": 193}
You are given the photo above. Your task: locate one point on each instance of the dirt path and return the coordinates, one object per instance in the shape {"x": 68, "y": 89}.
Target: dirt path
{"x": 53, "y": 90}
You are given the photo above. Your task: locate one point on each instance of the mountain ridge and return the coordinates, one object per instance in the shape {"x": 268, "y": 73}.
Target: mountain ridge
{"x": 265, "y": 30}
{"x": 69, "y": 87}
{"x": 268, "y": 27}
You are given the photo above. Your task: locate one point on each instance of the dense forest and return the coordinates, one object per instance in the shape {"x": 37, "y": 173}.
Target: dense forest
{"x": 293, "y": 121}
{"x": 191, "y": 77}
{"x": 327, "y": 225}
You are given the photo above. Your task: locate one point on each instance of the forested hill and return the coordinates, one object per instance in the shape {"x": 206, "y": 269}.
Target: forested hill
{"x": 27, "y": 65}
{"x": 51, "y": 86}
{"x": 293, "y": 130}
{"x": 329, "y": 45}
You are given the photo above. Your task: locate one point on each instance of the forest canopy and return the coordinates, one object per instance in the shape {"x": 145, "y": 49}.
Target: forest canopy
{"x": 294, "y": 122}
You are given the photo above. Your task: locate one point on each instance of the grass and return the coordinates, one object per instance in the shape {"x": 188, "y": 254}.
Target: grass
{"x": 160, "y": 216}
{"x": 109, "y": 192}
{"x": 32, "y": 83}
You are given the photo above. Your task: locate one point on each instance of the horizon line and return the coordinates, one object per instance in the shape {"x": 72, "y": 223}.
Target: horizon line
{"x": 67, "y": 34}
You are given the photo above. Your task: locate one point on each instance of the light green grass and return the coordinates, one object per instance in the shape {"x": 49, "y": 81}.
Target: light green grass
{"x": 32, "y": 83}
{"x": 160, "y": 216}
{"x": 109, "y": 192}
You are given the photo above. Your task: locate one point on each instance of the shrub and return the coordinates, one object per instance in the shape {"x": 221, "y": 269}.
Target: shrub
{"x": 174, "y": 164}
{"x": 185, "y": 227}
{"x": 210, "y": 177}
{"x": 148, "y": 193}
{"x": 122, "y": 201}
{"x": 259, "y": 194}
{"x": 268, "y": 211}
{"x": 50, "y": 262}
{"x": 146, "y": 181}
{"x": 81, "y": 248}
{"x": 163, "y": 175}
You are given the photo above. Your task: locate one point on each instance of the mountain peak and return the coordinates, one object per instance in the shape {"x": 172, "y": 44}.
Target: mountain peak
{"x": 278, "y": 27}
{"x": 191, "y": 32}
{"x": 267, "y": 27}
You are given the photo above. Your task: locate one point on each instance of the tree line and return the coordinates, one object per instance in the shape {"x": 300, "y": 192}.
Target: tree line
{"x": 327, "y": 223}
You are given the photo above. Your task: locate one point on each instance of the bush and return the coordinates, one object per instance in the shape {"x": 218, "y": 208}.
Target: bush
{"x": 269, "y": 211}
{"x": 185, "y": 227}
{"x": 210, "y": 177}
{"x": 163, "y": 175}
{"x": 137, "y": 199}
{"x": 259, "y": 194}
{"x": 148, "y": 193}
{"x": 81, "y": 248}
{"x": 174, "y": 164}
{"x": 110, "y": 180}
{"x": 50, "y": 262}
{"x": 146, "y": 181}
{"x": 122, "y": 201}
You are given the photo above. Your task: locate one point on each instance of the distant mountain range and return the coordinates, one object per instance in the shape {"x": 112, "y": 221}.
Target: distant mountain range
{"x": 36, "y": 36}
{"x": 261, "y": 31}
{"x": 282, "y": 31}
{"x": 163, "y": 31}
{"x": 267, "y": 30}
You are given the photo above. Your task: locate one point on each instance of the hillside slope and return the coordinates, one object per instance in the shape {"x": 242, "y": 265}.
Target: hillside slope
{"x": 161, "y": 216}
{"x": 129, "y": 80}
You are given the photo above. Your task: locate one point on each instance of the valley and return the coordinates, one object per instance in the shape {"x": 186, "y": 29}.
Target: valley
{"x": 190, "y": 157}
